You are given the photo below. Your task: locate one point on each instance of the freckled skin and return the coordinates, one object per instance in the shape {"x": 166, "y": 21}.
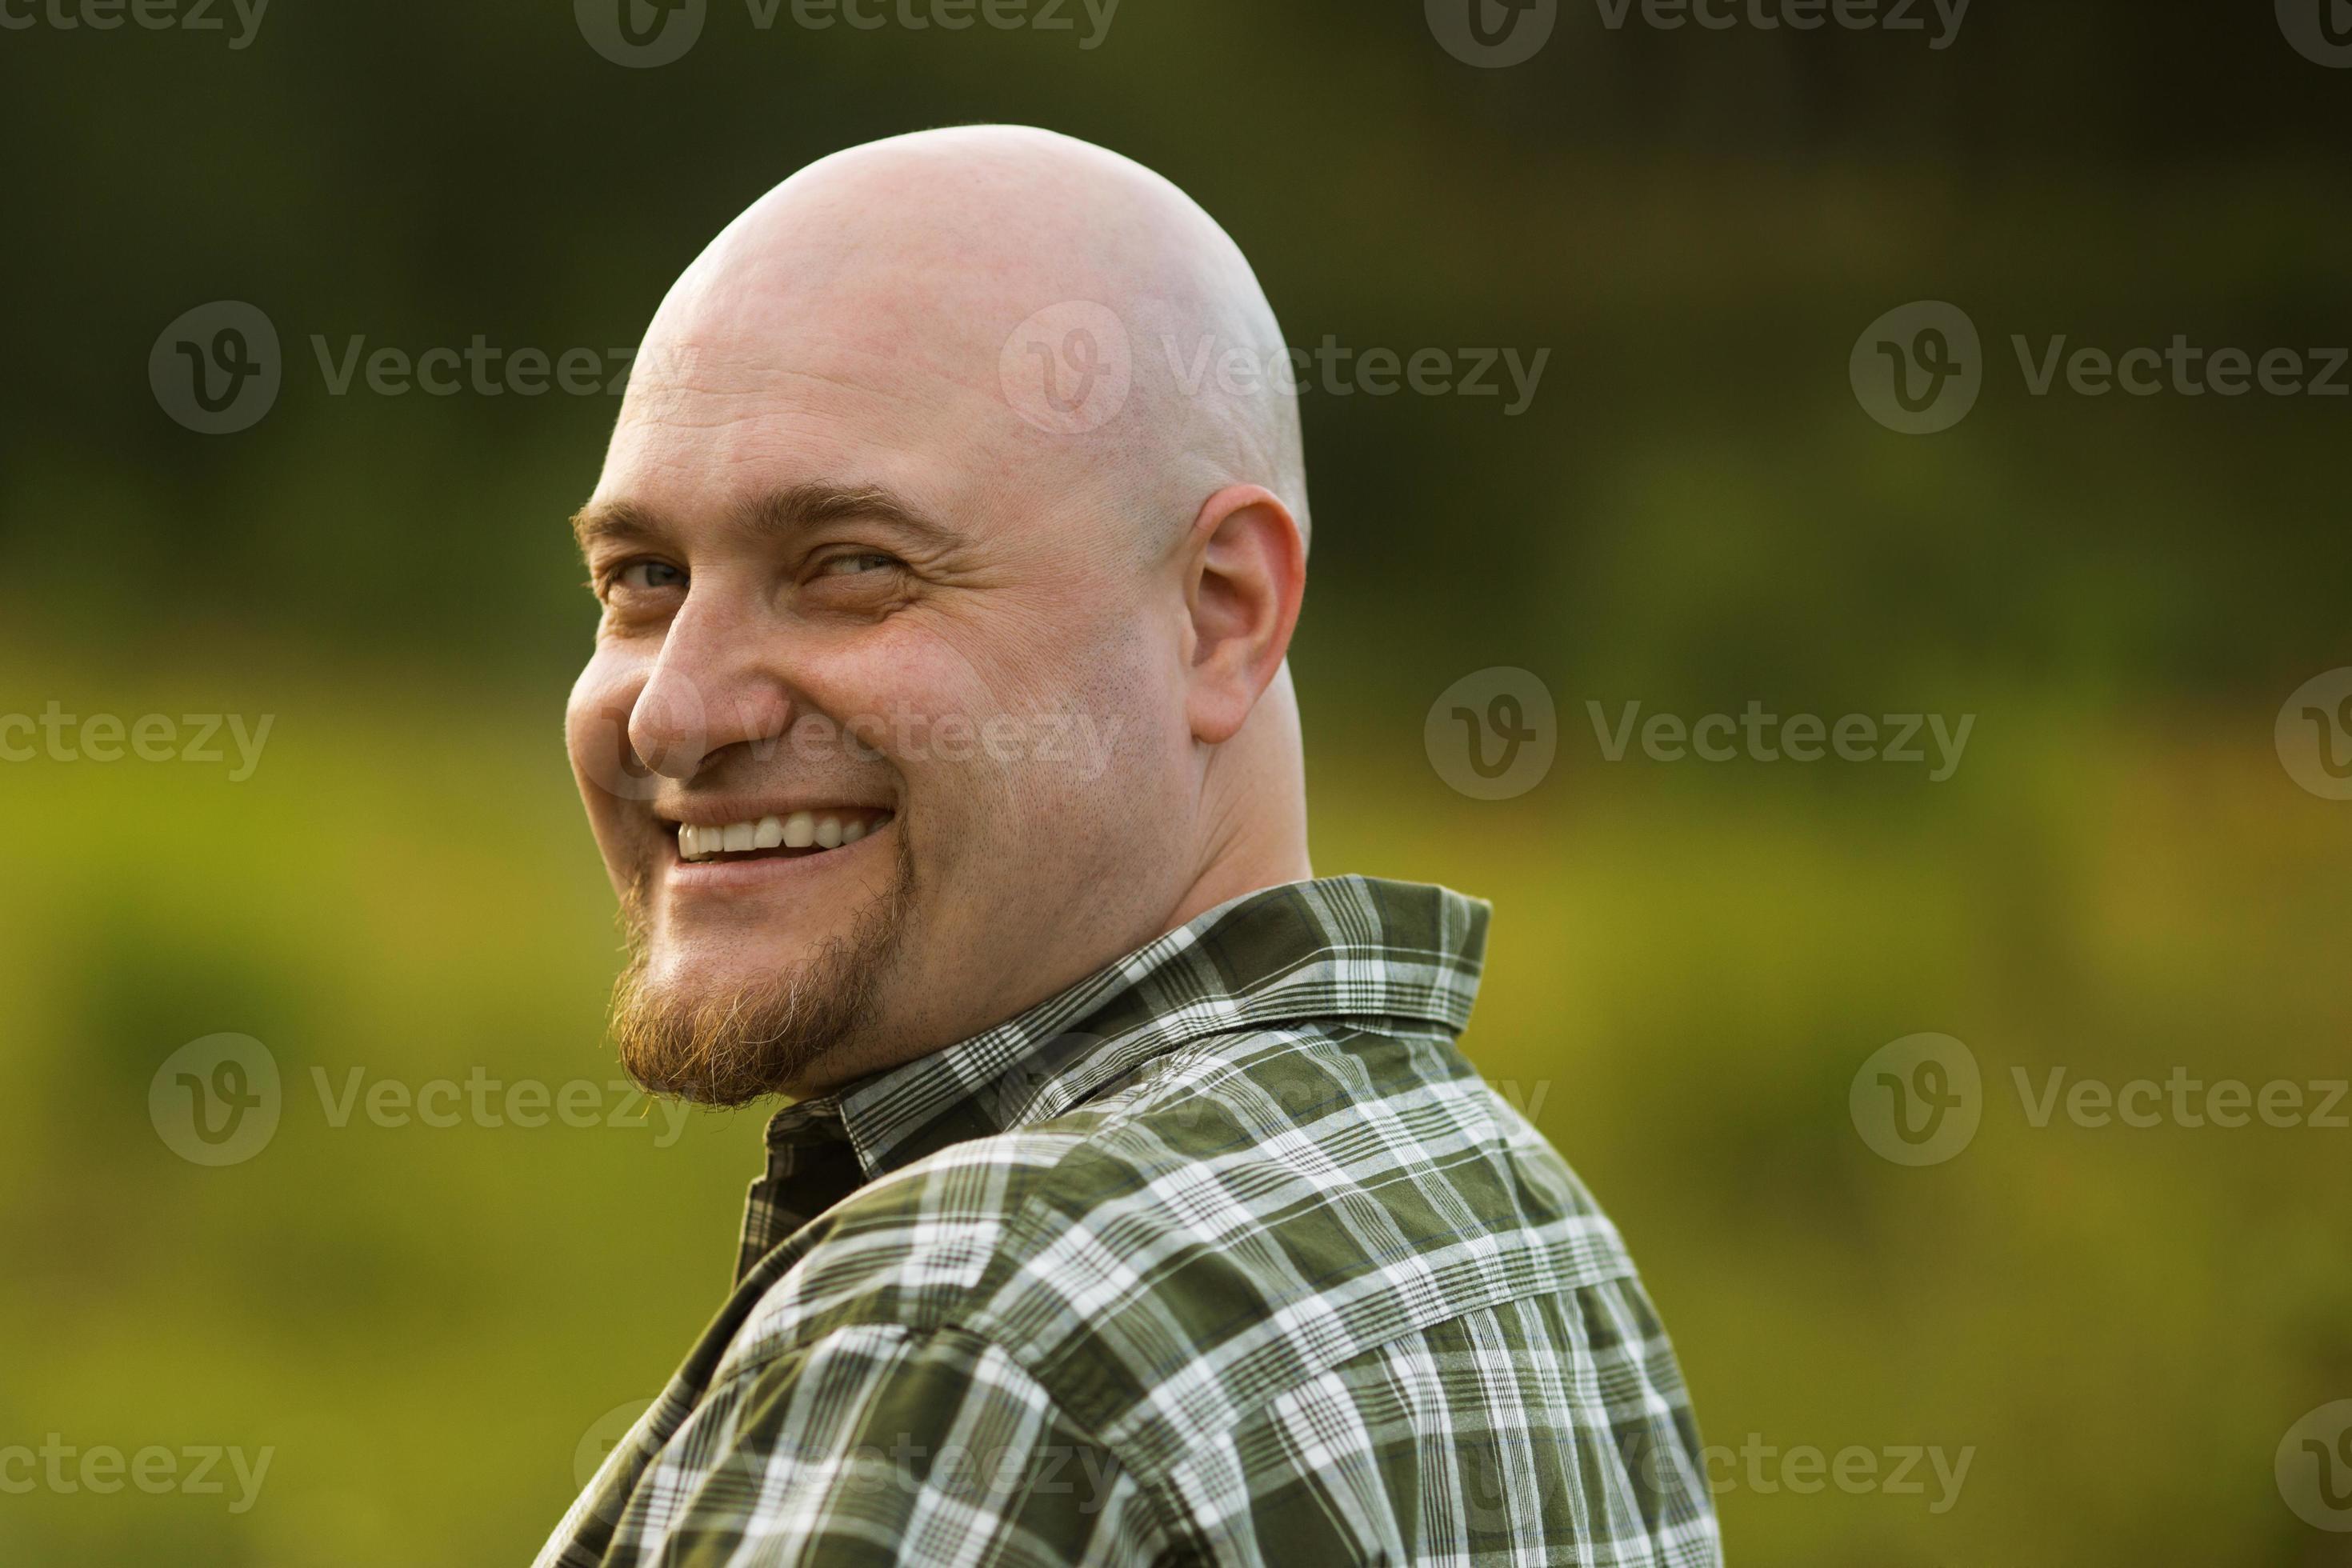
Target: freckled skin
{"x": 846, "y": 331}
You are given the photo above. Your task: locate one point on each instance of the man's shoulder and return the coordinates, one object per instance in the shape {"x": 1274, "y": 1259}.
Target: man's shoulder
{"x": 1242, "y": 1212}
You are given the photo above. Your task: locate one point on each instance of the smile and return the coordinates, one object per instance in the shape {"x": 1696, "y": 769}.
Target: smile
{"x": 798, "y": 835}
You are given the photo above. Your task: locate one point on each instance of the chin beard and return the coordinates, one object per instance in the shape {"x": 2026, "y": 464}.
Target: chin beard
{"x": 736, "y": 1046}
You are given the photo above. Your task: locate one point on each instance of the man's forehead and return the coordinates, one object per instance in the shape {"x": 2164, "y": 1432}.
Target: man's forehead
{"x": 744, "y": 314}
{"x": 710, "y": 425}
{"x": 723, "y": 414}
{"x": 832, "y": 363}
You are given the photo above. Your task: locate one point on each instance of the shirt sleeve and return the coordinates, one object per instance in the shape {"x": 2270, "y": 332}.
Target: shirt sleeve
{"x": 880, "y": 1444}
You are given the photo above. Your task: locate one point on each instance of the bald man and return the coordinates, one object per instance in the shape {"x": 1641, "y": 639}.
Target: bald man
{"x": 1132, "y": 1203}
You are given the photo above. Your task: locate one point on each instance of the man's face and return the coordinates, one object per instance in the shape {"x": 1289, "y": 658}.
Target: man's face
{"x": 849, "y": 602}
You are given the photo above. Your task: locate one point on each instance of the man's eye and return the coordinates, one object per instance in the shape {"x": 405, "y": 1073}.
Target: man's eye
{"x": 854, "y": 565}
{"x": 649, "y": 576}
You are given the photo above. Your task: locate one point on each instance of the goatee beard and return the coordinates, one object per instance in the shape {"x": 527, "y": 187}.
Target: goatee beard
{"x": 760, "y": 1039}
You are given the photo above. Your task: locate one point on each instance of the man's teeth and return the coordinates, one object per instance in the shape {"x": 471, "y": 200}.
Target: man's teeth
{"x": 801, "y": 830}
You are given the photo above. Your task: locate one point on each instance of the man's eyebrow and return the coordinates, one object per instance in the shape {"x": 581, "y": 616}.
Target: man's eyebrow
{"x": 799, "y": 507}
{"x": 613, "y": 522}
{"x": 788, "y": 510}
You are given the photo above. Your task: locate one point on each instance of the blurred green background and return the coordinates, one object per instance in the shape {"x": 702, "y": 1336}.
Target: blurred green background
{"x": 1691, "y": 961}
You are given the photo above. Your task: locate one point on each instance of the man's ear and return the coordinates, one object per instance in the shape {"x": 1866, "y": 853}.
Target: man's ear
{"x": 1245, "y": 572}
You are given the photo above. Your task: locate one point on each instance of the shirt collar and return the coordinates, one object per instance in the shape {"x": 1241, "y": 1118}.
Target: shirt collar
{"x": 1344, "y": 947}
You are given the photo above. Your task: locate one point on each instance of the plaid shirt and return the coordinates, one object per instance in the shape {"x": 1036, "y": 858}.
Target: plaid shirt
{"x": 1225, "y": 1254}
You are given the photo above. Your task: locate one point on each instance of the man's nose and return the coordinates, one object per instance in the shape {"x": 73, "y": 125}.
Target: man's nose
{"x": 715, "y": 685}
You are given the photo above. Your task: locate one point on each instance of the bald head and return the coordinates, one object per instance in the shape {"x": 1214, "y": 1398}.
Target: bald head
{"x": 937, "y": 510}
{"x": 1067, "y": 307}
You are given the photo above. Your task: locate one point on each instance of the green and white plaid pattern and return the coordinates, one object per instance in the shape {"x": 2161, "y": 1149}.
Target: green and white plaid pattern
{"x": 1225, "y": 1254}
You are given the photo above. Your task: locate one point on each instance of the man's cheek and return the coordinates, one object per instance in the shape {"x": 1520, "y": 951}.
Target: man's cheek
{"x": 597, "y": 736}
{"x": 917, "y": 674}
{"x": 583, "y": 745}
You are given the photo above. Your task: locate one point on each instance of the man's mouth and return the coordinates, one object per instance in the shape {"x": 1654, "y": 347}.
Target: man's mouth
{"x": 797, "y": 835}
